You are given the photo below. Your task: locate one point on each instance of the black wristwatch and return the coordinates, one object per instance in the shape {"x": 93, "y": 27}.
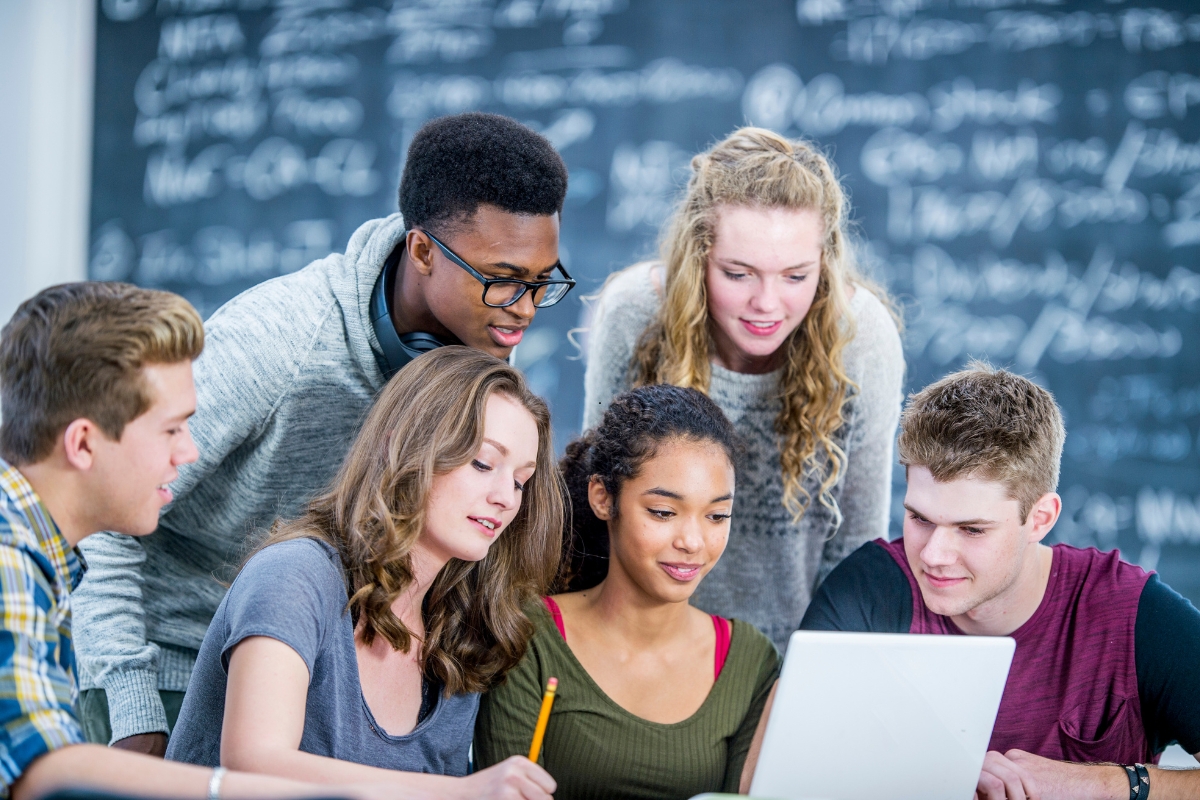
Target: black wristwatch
{"x": 1139, "y": 781}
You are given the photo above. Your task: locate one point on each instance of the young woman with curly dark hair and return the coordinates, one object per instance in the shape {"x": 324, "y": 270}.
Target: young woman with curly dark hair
{"x": 656, "y": 699}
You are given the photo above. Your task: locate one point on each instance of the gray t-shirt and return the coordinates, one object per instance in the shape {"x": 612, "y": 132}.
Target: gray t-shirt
{"x": 294, "y": 592}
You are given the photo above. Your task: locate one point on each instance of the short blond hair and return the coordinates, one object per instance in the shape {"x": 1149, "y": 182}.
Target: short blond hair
{"x": 77, "y": 350}
{"x": 989, "y": 423}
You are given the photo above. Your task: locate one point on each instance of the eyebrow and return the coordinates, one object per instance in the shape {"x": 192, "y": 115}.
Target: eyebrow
{"x": 751, "y": 266}
{"x": 974, "y": 523}
{"x": 658, "y": 491}
{"x": 518, "y": 270}
{"x": 504, "y": 452}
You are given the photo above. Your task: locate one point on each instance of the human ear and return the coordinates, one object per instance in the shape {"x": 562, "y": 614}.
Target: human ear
{"x": 1043, "y": 515}
{"x": 599, "y": 498}
{"x": 78, "y": 443}
{"x": 420, "y": 251}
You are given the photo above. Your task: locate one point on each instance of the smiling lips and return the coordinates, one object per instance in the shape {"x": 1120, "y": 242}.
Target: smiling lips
{"x": 490, "y": 526}
{"x": 506, "y": 336}
{"x": 681, "y": 572}
{"x": 760, "y": 327}
{"x": 942, "y": 582}
{"x": 164, "y": 492}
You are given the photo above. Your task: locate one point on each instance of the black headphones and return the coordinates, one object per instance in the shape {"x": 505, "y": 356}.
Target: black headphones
{"x": 397, "y": 350}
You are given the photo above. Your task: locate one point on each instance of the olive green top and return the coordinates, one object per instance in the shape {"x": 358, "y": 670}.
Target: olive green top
{"x": 596, "y": 749}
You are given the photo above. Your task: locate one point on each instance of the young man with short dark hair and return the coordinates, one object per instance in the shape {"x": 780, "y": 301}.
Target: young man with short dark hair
{"x": 1105, "y": 668}
{"x": 96, "y": 390}
{"x": 290, "y": 369}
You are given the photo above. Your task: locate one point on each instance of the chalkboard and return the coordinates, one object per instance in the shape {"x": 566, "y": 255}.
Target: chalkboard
{"x": 1025, "y": 176}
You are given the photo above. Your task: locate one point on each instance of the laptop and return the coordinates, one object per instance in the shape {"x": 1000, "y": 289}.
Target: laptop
{"x": 863, "y": 716}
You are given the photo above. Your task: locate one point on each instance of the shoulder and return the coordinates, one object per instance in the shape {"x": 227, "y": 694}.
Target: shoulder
{"x": 868, "y": 592}
{"x": 294, "y": 301}
{"x": 876, "y": 335}
{"x": 1102, "y": 571}
{"x": 301, "y": 564}
{"x": 746, "y": 638}
{"x": 629, "y": 297}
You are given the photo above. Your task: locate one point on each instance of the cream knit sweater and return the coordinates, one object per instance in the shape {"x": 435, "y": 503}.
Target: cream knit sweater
{"x": 772, "y": 565}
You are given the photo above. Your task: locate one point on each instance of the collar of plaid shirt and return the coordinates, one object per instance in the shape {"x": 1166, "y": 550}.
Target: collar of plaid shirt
{"x": 35, "y": 531}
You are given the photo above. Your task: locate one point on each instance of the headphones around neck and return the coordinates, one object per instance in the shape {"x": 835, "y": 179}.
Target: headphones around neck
{"x": 397, "y": 349}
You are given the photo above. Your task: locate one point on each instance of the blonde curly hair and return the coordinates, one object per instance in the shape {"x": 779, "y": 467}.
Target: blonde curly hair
{"x": 758, "y": 168}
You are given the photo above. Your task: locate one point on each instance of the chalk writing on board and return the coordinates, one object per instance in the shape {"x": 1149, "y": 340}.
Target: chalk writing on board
{"x": 1024, "y": 175}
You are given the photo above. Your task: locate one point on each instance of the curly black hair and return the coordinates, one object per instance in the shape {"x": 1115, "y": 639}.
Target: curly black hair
{"x": 456, "y": 163}
{"x": 632, "y": 429}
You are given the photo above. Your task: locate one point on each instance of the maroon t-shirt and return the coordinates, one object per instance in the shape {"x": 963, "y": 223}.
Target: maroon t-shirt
{"x": 1072, "y": 691}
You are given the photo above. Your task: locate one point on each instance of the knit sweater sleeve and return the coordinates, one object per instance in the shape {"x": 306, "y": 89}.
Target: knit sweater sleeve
{"x": 874, "y": 360}
{"x": 249, "y": 361}
{"x": 625, "y": 306}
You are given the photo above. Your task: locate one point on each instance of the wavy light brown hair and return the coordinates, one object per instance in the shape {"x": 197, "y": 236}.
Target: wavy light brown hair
{"x": 428, "y": 421}
{"x": 757, "y": 168}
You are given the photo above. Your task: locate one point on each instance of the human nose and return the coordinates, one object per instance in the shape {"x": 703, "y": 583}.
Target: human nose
{"x": 690, "y": 538}
{"x": 503, "y": 493}
{"x": 186, "y": 453}
{"x": 524, "y": 308}
{"x": 765, "y": 298}
{"x": 939, "y": 551}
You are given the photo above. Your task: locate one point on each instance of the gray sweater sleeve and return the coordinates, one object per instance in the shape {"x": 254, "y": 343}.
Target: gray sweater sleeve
{"x": 626, "y": 304}
{"x": 875, "y": 361}
{"x": 238, "y": 386}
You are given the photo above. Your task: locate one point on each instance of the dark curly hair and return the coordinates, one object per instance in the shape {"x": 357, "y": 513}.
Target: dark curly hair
{"x": 634, "y": 426}
{"x": 456, "y": 163}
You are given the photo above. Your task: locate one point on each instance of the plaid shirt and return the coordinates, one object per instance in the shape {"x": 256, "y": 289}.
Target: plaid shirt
{"x": 38, "y": 570}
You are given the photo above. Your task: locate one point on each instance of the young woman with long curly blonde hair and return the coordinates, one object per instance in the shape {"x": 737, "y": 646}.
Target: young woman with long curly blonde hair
{"x": 757, "y": 301}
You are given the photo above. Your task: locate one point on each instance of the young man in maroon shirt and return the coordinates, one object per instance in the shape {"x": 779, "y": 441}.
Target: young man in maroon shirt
{"x": 1106, "y": 667}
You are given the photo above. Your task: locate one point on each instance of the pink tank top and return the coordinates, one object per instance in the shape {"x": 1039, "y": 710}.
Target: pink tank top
{"x": 720, "y": 624}
{"x": 1072, "y": 690}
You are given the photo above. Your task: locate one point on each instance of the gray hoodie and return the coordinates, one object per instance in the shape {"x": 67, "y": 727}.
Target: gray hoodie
{"x": 287, "y": 375}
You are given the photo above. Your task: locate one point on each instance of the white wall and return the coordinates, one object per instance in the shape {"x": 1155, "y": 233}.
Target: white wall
{"x": 46, "y": 67}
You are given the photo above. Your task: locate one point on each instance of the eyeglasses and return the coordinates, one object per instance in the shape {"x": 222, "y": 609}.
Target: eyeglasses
{"x": 502, "y": 292}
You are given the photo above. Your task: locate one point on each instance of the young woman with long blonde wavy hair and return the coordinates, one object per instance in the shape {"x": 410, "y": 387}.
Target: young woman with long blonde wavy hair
{"x": 757, "y": 301}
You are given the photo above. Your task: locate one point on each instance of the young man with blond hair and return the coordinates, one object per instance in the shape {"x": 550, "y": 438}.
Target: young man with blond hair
{"x": 96, "y": 391}
{"x": 1105, "y": 672}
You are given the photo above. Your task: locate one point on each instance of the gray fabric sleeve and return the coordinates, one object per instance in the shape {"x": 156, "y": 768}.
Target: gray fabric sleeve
{"x": 626, "y": 304}
{"x": 875, "y": 361}
{"x": 239, "y": 383}
{"x": 291, "y": 592}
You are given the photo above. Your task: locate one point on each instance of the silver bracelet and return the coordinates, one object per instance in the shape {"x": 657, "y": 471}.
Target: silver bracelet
{"x": 214, "y": 783}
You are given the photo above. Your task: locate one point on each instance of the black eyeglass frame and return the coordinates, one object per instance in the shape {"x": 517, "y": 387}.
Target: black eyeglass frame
{"x": 489, "y": 282}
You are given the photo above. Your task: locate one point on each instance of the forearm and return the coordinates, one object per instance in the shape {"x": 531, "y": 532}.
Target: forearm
{"x": 1171, "y": 784}
{"x": 1106, "y": 782}
{"x": 304, "y": 766}
{"x": 95, "y": 767}
{"x": 110, "y": 635}
{"x": 1060, "y": 780}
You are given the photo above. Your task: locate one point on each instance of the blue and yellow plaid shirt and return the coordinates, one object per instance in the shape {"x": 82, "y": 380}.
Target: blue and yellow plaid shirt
{"x": 38, "y": 571}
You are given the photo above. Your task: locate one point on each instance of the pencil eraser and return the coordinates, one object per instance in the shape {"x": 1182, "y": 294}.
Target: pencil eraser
{"x": 552, "y": 683}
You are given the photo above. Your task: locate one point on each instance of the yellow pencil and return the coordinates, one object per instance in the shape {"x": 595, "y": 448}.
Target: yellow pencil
{"x": 539, "y": 732}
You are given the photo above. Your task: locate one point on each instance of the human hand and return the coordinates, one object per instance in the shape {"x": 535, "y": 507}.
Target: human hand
{"x": 1017, "y": 775}
{"x": 1002, "y": 778}
{"x": 515, "y": 778}
{"x": 152, "y": 744}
